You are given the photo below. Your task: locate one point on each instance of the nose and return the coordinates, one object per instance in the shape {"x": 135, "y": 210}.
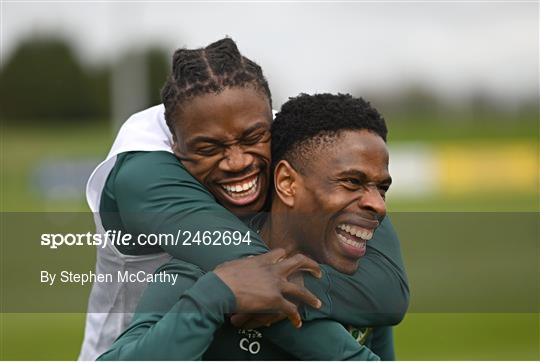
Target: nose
{"x": 235, "y": 160}
{"x": 372, "y": 200}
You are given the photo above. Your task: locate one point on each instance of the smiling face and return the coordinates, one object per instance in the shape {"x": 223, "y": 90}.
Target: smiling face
{"x": 223, "y": 140}
{"x": 336, "y": 202}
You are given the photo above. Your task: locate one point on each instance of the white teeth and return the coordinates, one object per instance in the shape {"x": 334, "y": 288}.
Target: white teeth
{"x": 351, "y": 242}
{"x": 364, "y": 234}
{"x": 241, "y": 190}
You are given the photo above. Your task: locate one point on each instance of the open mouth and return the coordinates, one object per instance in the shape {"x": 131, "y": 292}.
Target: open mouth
{"x": 244, "y": 191}
{"x": 353, "y": 239}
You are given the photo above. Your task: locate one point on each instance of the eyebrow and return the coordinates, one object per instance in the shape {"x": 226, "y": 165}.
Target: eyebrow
{"x": 202, "y": 139}
{"x": 362, "y": 175}
{"x": 256, "y": 127}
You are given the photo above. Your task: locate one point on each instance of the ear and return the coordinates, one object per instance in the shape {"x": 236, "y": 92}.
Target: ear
{"x": 286, "y": 182}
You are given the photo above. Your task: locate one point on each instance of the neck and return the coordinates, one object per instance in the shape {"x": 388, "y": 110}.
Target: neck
{"x": 276, "y": 233}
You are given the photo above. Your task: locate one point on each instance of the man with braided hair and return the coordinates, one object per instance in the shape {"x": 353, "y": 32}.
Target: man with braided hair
{"x": 207, "y": 163}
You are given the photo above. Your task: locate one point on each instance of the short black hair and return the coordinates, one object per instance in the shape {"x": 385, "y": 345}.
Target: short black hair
{"x": 209, "y": 70}
{"x": 308, "y": 121}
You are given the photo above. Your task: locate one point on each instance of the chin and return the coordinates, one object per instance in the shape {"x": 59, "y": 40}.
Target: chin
{"x": 246, "y": 210}
{"x": 345, "y": 267}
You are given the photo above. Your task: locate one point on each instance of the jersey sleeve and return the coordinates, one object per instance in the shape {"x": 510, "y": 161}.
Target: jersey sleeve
{"x": 156, "y": 194}
{"x": 175, "y": 322}
{"x": 382, "y": 343}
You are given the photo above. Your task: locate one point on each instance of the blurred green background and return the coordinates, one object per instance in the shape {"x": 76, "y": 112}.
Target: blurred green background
{"x": 72, "y": 131}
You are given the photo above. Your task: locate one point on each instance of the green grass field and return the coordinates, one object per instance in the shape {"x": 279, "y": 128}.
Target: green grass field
{"x": 437, "y": 336}
{"x": 421, "y": 336}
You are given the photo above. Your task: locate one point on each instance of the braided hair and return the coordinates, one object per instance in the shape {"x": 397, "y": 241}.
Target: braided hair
{"x": 209, "y": 70}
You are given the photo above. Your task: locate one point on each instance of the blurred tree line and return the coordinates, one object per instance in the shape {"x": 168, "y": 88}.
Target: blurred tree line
{"x": 43, "y": 79}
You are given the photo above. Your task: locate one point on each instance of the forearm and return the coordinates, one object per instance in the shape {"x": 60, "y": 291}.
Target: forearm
{"x": 182, "y": 333}
{"x": 376, "y": 295}
{"x": 156, "y": 195}
{"x": 220, "y": 226}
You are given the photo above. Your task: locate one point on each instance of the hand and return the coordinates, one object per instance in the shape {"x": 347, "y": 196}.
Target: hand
{"x": 260, "y": 283}
{"x": 253, "y": 321}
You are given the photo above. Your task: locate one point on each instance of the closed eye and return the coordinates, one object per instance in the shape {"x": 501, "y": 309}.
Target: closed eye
{"x": 208, "y": 150}
{"x": 383, "y": 189}
{"x": 351, "y": 181}
{"x": 255, "y": 138}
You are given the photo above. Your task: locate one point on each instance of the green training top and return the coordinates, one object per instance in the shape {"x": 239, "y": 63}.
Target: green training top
{"x": 152, "y": 192}
{"x": 185, "y": 321}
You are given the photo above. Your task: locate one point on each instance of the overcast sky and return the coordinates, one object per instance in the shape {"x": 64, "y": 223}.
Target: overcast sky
{"x": 454, "y": 48}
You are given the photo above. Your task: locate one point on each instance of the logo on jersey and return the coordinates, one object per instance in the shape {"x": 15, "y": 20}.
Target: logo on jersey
{"x": 249, "y": 342}
{"x": 360, "y": 334}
